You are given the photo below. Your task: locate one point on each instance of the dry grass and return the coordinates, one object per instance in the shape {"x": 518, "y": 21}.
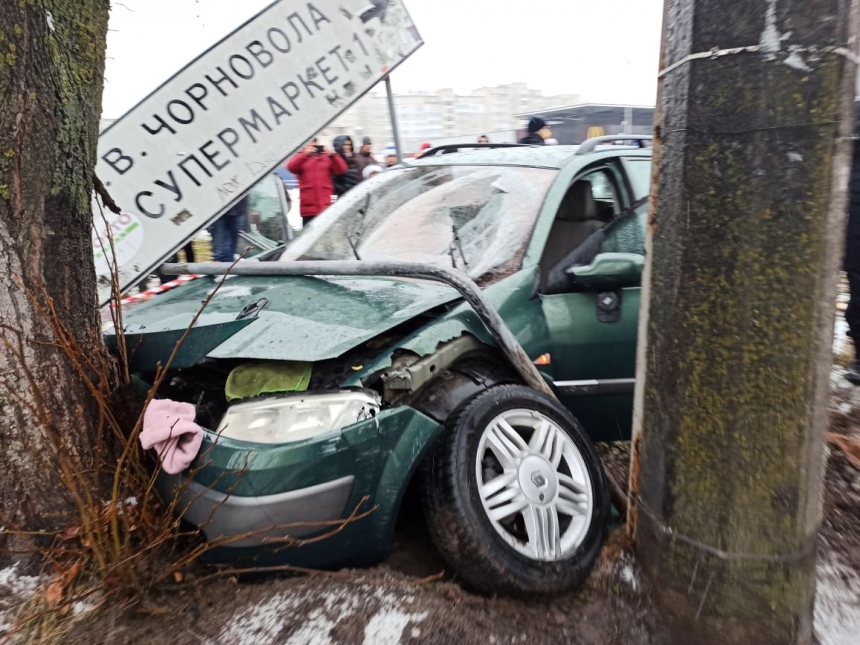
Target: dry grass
{"x": 122, "y": 540}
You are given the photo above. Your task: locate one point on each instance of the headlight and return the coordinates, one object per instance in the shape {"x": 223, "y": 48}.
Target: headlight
{"x": 296, "y": 417}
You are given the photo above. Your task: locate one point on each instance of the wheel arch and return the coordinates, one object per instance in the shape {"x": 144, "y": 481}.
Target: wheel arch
{"x": 451, "y": 389}
{"x": 460, "y": 383}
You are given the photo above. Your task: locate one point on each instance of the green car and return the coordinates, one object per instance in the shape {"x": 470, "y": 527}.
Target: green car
{"x": 325, "y": 395}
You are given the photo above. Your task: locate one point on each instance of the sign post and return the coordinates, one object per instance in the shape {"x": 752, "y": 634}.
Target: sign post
{"x": 392, "y": 113}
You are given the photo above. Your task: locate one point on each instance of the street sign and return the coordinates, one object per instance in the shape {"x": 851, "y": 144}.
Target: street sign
{"x": 185, "y": 153}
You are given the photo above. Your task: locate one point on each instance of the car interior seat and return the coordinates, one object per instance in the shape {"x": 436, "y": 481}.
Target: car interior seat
{"x": 578, "y": 218}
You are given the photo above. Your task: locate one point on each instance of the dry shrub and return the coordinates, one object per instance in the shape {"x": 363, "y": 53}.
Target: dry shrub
{"x": 122, "y": 540}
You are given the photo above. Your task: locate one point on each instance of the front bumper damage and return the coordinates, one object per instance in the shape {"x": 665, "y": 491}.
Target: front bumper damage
{"x": 247, "y": 498}
{"x": 238, "y": 522}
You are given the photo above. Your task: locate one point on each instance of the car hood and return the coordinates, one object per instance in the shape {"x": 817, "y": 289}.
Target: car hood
{"x": 304, "y": 319}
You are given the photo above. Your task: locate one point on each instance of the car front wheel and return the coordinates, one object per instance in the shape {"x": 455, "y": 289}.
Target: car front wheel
{"x": 515, "y": 496}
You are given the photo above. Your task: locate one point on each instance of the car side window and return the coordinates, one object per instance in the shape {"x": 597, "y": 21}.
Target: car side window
{"x": 627, "y": 235}
{"x": 604, "y": 194}
{"x": 639, "y": 174}
{"x": 265, "y": 214}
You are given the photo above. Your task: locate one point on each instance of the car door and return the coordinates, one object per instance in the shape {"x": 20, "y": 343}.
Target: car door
{"x": 592, "y": 319}
{"x": 266, "y": 225}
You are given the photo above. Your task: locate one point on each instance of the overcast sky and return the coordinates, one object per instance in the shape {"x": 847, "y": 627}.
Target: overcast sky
{"x": 604, "y": 50}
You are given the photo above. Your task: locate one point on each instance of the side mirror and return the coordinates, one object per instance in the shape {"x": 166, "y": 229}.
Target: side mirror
{"x": 609, "y": 270}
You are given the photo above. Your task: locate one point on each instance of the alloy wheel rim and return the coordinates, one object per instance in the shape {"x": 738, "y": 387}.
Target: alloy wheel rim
{"x": 534, "y": 485}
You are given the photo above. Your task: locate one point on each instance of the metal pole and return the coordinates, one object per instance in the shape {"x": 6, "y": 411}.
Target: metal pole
{"x": 392, "y": 113}
{"x": 507, "y": 342}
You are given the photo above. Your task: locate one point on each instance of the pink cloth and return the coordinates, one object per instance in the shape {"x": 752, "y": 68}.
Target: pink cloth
{"x": 168, "y": 426}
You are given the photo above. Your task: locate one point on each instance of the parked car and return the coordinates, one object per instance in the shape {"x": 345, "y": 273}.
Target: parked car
{"x": 320, "y": 392}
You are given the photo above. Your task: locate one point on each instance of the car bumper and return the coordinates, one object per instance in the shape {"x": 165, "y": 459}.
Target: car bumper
{"x": 243, "y": 497}
{"x": 235, "y": 521}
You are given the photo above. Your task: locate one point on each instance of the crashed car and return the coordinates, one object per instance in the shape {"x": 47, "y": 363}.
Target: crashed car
{"x": 325, "y": 396}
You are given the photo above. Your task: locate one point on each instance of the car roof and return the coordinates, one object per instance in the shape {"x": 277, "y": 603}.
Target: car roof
{"x": 552, "y": 157}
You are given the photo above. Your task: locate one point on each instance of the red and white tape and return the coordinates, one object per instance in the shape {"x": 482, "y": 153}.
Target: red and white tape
{"x": 167, "y": 286}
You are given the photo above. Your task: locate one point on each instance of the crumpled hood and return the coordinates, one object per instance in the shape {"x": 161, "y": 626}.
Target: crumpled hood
{"x": 306, "y": 319}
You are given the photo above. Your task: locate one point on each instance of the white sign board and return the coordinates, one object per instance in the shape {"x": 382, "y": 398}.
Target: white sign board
{"x": 190, "y": 149}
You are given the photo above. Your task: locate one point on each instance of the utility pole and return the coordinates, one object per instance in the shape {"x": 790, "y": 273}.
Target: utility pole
{"x": 752, "y": 155}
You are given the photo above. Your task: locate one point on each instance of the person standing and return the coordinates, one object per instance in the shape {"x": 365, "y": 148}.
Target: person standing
{"x": 851, "y": 264}
{"x": 314, "y": 167}
{"x": 344, "y": 148}
{"x": 225, "y": 231}
{"x": 538, "y": 132}
{"x": 390, "y": 157}
{"x": 364, "y": 158}
{"x": 483, "y": 139}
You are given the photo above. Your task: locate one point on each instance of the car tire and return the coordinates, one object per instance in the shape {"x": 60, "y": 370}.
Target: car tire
{"x": 550, "y": 544}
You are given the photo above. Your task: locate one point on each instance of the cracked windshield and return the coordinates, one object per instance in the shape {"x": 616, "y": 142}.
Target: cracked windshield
{"x": 474, "y": 218}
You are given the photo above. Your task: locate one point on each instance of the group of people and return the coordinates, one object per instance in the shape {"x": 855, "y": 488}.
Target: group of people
{"x": 326, "y": 172}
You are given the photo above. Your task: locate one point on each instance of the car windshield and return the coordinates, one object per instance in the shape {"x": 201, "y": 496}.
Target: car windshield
{"x": 476, "y": 218}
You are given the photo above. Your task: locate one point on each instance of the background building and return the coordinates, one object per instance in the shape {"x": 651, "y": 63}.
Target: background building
{"x": 430, "y": 116}
{"x": 574, "y": 124}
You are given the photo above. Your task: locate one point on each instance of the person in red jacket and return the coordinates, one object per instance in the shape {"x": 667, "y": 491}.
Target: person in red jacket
{"x": 314, "y": 166}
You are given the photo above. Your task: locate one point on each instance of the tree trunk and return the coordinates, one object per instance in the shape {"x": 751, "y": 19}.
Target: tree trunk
{"x": 52, "y": 56}
{"x": 752, "y": 154}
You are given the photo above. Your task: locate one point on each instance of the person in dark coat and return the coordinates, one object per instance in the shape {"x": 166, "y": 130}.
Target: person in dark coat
{"x": 315, "y": 166}
{"x": 344, "y": 148}
{"x": 851, "y": 264}
{"x": 364, "y": 158}
{"x": 538, "y": 132}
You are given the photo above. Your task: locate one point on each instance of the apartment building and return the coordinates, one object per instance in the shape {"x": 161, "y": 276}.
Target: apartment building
{"x": 429, "y": 116}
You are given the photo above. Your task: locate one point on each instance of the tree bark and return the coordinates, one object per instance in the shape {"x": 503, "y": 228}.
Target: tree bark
{"x": 51, "y": 74}
{"x": 751, "y": 161}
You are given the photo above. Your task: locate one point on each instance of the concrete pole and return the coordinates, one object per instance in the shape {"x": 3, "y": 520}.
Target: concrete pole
{"x": 751, "y": 161}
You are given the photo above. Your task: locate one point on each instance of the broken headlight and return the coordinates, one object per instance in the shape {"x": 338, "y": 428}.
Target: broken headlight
{"x": 298, "y": 417}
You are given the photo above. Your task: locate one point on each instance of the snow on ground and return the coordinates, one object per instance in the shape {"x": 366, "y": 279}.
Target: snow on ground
{"x": 840, "y": 338}
{"x": 628, "y": 575}
{"x": 261, "y": 623}
{"x": 387, "y": 625}
{"x": 15, "y": 590}
{"x": 388, "y": 616}
{"x": 837, "y": 603}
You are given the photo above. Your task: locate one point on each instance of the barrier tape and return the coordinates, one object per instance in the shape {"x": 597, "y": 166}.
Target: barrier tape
{"x": 167, "y": 286}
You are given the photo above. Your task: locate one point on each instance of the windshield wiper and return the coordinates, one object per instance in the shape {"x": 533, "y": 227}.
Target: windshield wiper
{"x": 353, "y": 247}
{"x": 459, "y": 246}
{"x": 353, "y": 243}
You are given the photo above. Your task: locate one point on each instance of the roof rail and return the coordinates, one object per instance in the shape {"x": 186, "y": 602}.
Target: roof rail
{"x": 591, "y": 144}
{"x": 456, "y": 147}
